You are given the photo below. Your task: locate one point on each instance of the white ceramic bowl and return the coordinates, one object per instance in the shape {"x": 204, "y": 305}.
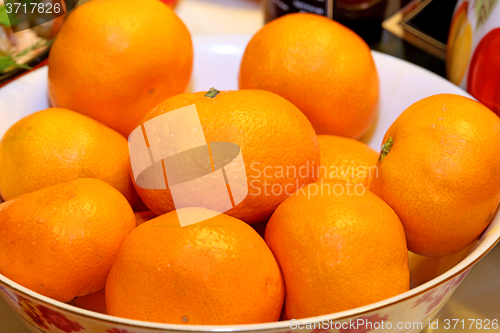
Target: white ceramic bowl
{"x": 433, "y": 280}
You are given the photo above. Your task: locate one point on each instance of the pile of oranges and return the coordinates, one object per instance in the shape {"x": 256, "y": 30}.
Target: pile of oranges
{"x": 327, "y": 222}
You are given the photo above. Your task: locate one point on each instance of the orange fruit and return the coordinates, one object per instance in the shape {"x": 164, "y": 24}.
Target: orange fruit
{"x": 171, "y": 3}
{"x": 114, "y": 60}
{"x": 215, "y": 272}
{"x": 319, "y": 65}
{"x": 278, "y": 146}
{"x": 346, "y": 159}
{"x": 56, "y": 145}
{"x": 139, "y": 206}
{"x": 260, "y": 228}
{"x": 60, "y": 241}
{"x": 337, "y": 249}
{"x": 144, "y": 216}
{"x": 440, "y": 172}
{"x": 93, "y": 302}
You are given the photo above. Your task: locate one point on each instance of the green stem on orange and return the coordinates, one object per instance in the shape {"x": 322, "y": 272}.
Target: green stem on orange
{"x": 212, "y": 93}
{"x": 386, "y": 148}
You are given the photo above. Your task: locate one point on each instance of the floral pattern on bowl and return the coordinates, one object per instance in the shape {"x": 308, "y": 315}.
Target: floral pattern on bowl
{"x": 416, "y": 310}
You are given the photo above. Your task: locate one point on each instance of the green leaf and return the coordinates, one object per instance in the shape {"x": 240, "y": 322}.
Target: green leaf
{"x": 4, "y": 18}
{"x": 483, "y": 9}
{"x": 7, "y": 62}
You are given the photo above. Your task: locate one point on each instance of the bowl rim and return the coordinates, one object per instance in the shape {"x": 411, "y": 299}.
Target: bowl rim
{"x": 468, "y": 262}
{"x": 489, "y": 239}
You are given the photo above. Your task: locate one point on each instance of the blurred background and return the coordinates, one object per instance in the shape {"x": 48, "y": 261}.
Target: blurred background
{"x": 28, "y": 47}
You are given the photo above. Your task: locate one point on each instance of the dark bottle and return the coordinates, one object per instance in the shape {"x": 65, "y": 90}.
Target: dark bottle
{"x": 362, "y": 16}
{"x": 277, "y": 8}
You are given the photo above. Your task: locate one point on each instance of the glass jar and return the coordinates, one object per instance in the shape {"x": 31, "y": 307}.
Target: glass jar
{"x": 362, "y": 16}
